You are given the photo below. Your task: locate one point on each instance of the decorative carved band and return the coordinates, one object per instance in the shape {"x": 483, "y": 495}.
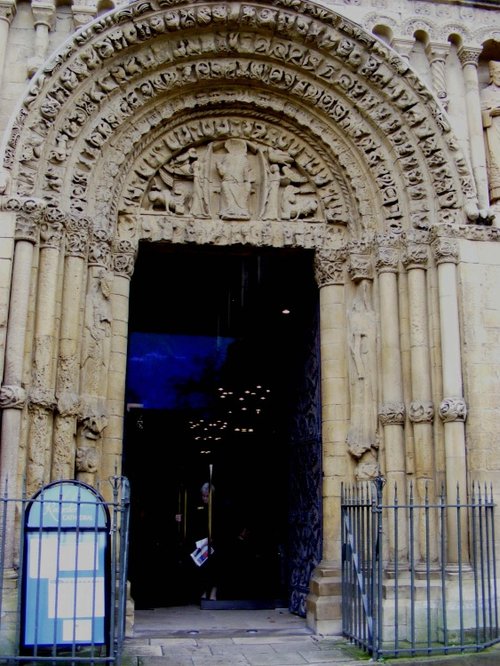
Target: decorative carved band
{"x": 329, "y": 267}
{"x": 392, "y": 413}
{"x": 421, "y": 411}
{"x": 12, "y": 397}
{"x": 453, "y": 409}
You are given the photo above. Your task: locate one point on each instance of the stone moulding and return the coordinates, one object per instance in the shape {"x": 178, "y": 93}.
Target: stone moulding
{"x": 96, "y": 104}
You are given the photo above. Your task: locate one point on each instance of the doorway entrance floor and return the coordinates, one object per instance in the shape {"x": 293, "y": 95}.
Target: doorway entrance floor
{"x": 188, "y": 636}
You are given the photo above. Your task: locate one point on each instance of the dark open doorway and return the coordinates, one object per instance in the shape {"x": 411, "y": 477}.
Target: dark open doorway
{"x": 219, "y": 340}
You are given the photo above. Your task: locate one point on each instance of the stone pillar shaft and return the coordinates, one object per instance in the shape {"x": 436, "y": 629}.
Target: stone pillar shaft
{"x": 7, "y": 12}
{"x": 452, "y": 408}
{"x": 469, "y": 60}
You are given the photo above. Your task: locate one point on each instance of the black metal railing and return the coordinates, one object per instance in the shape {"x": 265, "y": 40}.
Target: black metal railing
{"x": 63, "y": 577}
{"x": 418, "y": 574}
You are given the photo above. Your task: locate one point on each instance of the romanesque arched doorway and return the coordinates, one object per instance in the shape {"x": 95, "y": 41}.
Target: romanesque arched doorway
{"x": 258, "y": 125}
{"x": 223, "y": 369}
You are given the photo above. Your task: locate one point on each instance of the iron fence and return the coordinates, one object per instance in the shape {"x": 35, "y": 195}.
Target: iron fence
{"x": 418, "y": 575}
{"x": 63, "y": 590}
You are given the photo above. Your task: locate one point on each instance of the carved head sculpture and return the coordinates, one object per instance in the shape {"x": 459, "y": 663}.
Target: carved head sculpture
{"x": 494, "y": 68}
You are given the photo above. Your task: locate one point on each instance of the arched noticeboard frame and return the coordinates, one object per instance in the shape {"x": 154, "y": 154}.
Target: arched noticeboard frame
{"x": 66, "y": 577}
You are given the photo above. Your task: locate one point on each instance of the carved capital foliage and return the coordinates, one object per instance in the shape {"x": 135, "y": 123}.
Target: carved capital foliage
{"x": 329, "y": 267}
{"x": 124, "y": 258}
{"x": 445, "y": 250}
{"x": 360, "y": 267}
{"x": 77, "y": 236}
{"x": 392, "y": 413}
{"x": 388, "y": 254}
{"x": 52, "y": 228}
{"x": 421, "y": 411}
{"x": 29, "y": 212}
{"x": 415, "y": 255}
{"x": 453, "y": 409}
{"x": 12, "y": 397}
{"x": 87, "y": 459}
{"x": 469, "y": 56}
{"x": 100, "y": 248}
{"x": 7, "y": 10}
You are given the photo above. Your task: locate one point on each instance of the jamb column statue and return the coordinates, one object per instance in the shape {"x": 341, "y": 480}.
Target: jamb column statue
{"x": 96, "y": 345}
{"x": 453, "y": 410}
{"x": 362, "y": 440}
{"x": 490, "y": 104}
{"x": 42, "y": 392}
{"x": 68, "y": 362}
{"x": 323, "y": 602}
{"x": 392, "y": 410}
{"x": 123, "y": 260}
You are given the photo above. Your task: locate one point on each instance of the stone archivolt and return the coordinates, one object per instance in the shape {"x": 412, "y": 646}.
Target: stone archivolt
{"x": 108, "y": 89}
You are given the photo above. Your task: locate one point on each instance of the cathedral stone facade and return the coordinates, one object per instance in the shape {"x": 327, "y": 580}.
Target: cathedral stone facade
{"x": 367, "y": 132}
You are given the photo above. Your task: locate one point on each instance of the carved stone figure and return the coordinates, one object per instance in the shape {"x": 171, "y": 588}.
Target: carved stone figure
{"x": 199, "y": 204}
{"x": 490, "y": 101}
{"x": 234, "y": 170}
{"x": 362, "y": 338}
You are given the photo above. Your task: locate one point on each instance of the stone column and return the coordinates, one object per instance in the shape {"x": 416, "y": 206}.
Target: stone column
{"x": 452, "y": 409}
{"x": 436, "y": 53}
{"x": 123, "y": 260}
{"x": 7, "y": 13}
{"x": 392, "y": 410}
{"x": 93, "y": 417}
{"x": 68, "y": 363}
{"x": 421, "y": 414}
{"x": 42, "y": 392}
{"x": 12, "y": 393}
{"x": 404, "y": 47}
{"x": 324, "y": 599}
{"x": 469, "y": 59}
{"x": 44, "y": 15}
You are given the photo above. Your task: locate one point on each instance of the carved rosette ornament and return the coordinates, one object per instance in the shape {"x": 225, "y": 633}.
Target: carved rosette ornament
{"x": 392, "y": 413}
{"x": 453, "y": 409}
{"x": 329, "y": 267}
{"x": 445, "y": 251}
{"x": 87, "y": 459}
{"x": 12, "y": 397}
{"x": 421, "y": 411}
{"x": 124, "y": 258}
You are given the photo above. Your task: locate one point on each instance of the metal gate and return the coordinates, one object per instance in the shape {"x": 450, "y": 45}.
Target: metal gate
{"x": 63, "y": 591}
{"x": 418, "y": 576}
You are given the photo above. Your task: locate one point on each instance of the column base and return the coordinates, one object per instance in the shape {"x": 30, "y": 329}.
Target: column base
{"x": 324, "y": 601}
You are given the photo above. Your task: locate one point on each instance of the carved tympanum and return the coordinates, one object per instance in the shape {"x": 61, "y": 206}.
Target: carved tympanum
{"x": 234, "y": 179}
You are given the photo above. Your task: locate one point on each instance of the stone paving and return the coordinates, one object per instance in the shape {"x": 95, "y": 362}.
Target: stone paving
{"x": 190, "y": 637}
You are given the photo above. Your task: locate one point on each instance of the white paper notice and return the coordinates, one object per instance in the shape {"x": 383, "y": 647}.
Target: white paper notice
{"x": 43, "y": 556}
{"x": 81, "y": 630}
{"x": 76, "y": 598}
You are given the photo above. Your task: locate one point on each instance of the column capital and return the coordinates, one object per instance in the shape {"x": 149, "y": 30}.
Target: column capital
{"x": 453, "y": 409}
{"x": 123, "y": 258}
{"x": 7, "y": 10}
{"x": 421, "y": 411}
{"x": 100, "y": 248}
{"x": 52, "y": 227}
{"x": 44, "y": 13}
{"x": 77, "y": 236}
{"x": 392, "y": 413}
{"x": 469, "y": 55}
{"x": 329, "y": 267}
{"x": 415, "y": 255}
{"x": 360, "y": 259}
{"x": 388, "y": 252}
{"x": 12, "y": 397}
{"x": 87, "y": 459}
{"x": 445, "y": 250}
